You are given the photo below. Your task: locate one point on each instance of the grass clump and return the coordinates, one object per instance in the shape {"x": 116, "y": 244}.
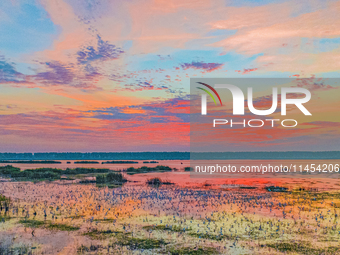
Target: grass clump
{"x": 110, "y": 178}
{"x": 211, "y": 236}
{"x": 302, "y": 248}
{"x": 30, "y": 174}
{"x": 91, "y": 248}
{"x": 62, "y": 227}
{"x": 141, "y": 243}
{"x": 48, "y": 225}
{"x": 166, "y": 228}
{"x": 31, "y": 161}
{"x": 83, "y": 170}
{"x": 193, "y": 251}
{"x": 45, "y": 173}
{"x": 4, "y": 200}
{"x": 145, "y": 169}
{"x": 86, "y": 162}
{"x": 100, "y": 235}
{"x": 155, "y": 182}
{"x": 32, "y": 223}
{"x": 120, "y": 162}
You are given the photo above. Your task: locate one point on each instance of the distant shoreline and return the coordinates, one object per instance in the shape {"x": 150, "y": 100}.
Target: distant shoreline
{"x": 171, "y": 155}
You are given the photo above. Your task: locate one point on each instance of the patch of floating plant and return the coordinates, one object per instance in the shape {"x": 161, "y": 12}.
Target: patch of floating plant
{"x": 302, "y": 248}
{"x": 247, "y": 187}
{"x": 276, "y": 189}
{"x": 145, "y": 169}
{"x": 86, "y": 162}
{"x": 75, "y": 217}
{"x": 156, "y": 182}
{"x": 214, "y": 237}
{"x": 140, "y": 243}
{"x": 173, "y": 228}
{"x": 192, "y": 250}
{"x": 62, "y": 227}
{"x": 46, "y": 174}
{"x": 32, "y": 223}
{"x": 108, "y": 220}
{"x": 48, "y": 225}
{"x": 103, "y": 234}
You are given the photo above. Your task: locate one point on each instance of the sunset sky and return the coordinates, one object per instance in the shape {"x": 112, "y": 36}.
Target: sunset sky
{"x": 114, "y": 75}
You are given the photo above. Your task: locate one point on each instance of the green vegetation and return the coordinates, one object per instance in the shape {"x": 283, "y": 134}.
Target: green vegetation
{"x": 46, "y": 224}
{"x": 4, "y": 199}
{"x": 5, "y": 203}
{"x": 104, "y": 220}
{"x": 110, "y": 178}
{"x": 11, "y": 250}
{"x": 51, "y": 174}
{"x": 40, "y": 174}
{"x": 8, "y": 170}
{"x": 30, "y": 174}
{"x": 193, "y": 251}
{"x": 302, "y": 248}
{"x": 150, "y": 162}
{"x": 31, "y": 161}
{"x": 86, "y": 162}
{"x": 62, "y": 227}
{"x": 166, "y": 228}
{"x": 211, "y": 236}
{"x": 156, "y": 182}
{"x": 120, "y": 162}
{"x": 188, "y": 169}
{"x": 91, "y": 248}
{"x": 32, "y": 223}
{"x": 145, "y": 169}
{"x": 141, "y": 243}
{"x": 276, "y": 189}
{"x": 82, "y": 170}
{"x": 100, "y": 235}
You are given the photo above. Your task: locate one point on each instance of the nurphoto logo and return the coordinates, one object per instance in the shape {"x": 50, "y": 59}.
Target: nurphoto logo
{"x": 239, "y": 102}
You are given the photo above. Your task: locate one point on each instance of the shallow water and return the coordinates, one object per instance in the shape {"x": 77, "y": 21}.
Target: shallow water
{"x": 233, "y": 215}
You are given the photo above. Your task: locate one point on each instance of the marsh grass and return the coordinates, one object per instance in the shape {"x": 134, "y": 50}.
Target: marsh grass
{"x": 32, "y": 223}
{"x": 103, "y": 234}
{"x": 192, "y": 251}
{"x": 145, "y": 169}
{"x": 303, "y": 248}
{"x": 141, "y": 243}
{"x": 166, "y": 228}
{"x": 14, "y": 250}
{"x": 61, "y": 227}
{"x": 108, "y": 220}
{"x": 47, "y": 225}
{"x": 91, "y": 248}
{"x": 212, "y": 236}
{"x": 45, "y": 173}
{"x": 110, "y": 179}
{"x": 4, "y": 218}
{"x": 4, "y": 199}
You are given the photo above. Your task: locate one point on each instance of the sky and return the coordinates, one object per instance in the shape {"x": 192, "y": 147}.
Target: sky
{"x": 90, "y": 75}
